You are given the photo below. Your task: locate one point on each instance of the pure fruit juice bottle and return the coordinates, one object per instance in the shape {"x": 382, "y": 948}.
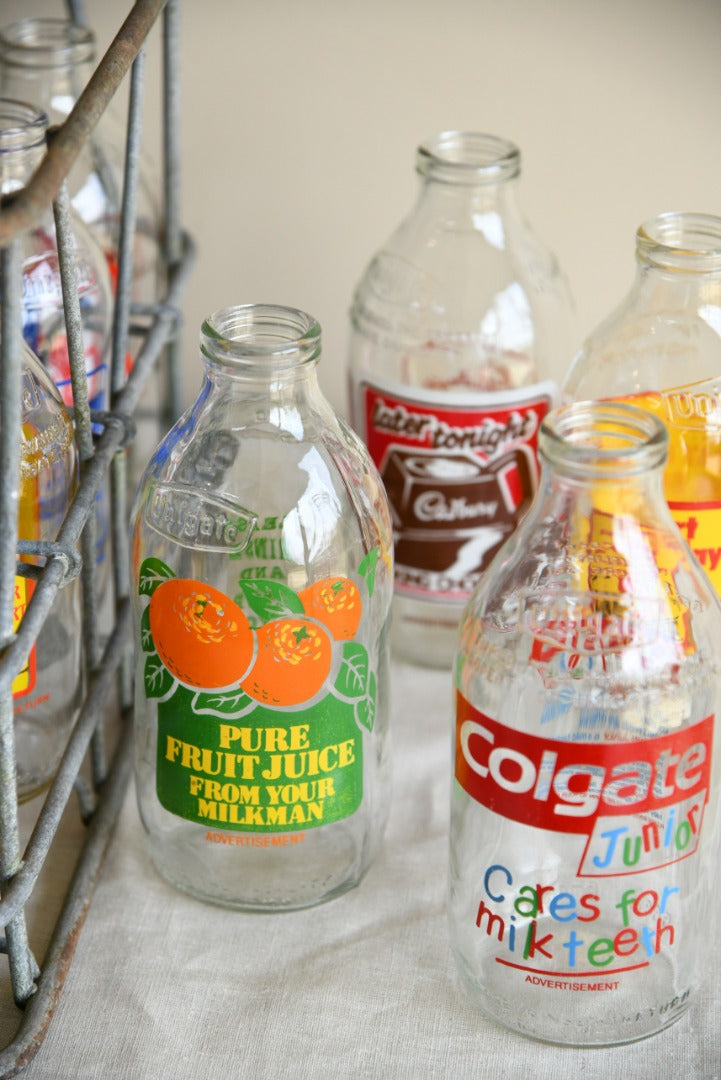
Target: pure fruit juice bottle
{"x": 262, "y": 571}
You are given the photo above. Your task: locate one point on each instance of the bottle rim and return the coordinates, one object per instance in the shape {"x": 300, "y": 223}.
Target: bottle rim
{"x": 46, "y": 43}
{"x": 679, "y": 240}
{"x": 468, "y": 157}
{"x": 22, "y": 126}
{"x": 259, "y": 338}
{"x": 602, "y": 439}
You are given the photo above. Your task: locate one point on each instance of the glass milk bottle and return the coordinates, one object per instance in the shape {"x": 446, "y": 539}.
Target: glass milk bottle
{"x": 47, "y": 62}
{"x": 23, "y": 132}
{"x": 262, "y": 572}
{"x": 661, "y": 349}
{"x": 460, "y": 332}
{"x": 584, "y": 869}
{"x": 47, "y": 691}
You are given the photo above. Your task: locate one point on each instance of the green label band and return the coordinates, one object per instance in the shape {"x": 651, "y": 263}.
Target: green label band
{"x": 281, "y": 772}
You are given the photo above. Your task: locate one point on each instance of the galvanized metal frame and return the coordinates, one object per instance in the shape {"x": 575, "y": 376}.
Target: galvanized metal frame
{"x": 37, "y": 983}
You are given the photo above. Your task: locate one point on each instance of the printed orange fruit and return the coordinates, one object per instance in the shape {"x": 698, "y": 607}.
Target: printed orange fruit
{"x": 200, "y": 634}
{"x": 292, "y": 662}
{"x": 337, "y": 603}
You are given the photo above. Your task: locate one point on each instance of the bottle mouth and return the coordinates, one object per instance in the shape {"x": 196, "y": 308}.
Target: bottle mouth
{"x": 681, "y": 241}
{"x": 468, "y": 157}
{"x": 602, "y": 439}
{"x": 261, "y": 337}
{"x": 46, "y": 43}
{"x": 22, "y": 127}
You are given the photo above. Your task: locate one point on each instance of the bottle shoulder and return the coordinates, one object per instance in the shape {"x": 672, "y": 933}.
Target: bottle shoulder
{"x": 307, "y": 471}
{"x": 467, "y": 294}
{"x": 641, "y": 346}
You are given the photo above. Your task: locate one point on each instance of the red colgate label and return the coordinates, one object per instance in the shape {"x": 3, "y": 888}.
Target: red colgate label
{"x": 567, "y": 786}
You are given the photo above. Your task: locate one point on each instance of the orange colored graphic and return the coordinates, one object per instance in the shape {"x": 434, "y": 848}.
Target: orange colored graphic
{"x": 292, "y": 663}
{"x": 336, "y": 602}
{"x": 200, "y": 634}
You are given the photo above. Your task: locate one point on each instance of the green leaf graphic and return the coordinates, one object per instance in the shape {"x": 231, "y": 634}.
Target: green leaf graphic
{"x": 352, "y": 680}
{"x": 153, "y": 572}
{"x": 146, "y": 637}
{"x": 365, "y": 709}
{"x": 227, "y": 706}
{"x": 367, "y": 568}
{"x": 158, "y": 680}
{"x": 271, "y": 599}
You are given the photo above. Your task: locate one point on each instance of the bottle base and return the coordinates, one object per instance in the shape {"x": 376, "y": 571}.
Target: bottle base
{"x": 260, "y": 879}
{"x": 424, "y": 633}
{"x": 570, "y": 1025}
{"x": 39, "y": 748}
{"x": 30, "y": 788}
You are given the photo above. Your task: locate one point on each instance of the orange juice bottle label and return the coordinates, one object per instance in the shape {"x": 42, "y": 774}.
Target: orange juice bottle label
{"x": 260, "y": 723}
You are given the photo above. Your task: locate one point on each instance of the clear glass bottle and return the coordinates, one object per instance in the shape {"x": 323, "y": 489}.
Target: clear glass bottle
{"x": 460, "y": 333}
{"x": 262, "y": 570}
{"x": 661, "y": 349}
{"x": 47, "y": 692}
{"x": 585, "y": 810}
{"x": 23, "y": 131}
{"x": 47, "y": 62}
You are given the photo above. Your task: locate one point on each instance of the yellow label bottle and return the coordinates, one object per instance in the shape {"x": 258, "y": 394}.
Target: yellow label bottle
{"x": 661, "y": 349}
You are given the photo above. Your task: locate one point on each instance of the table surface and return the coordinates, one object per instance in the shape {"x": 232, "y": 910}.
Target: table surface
{"x": 163, "y": 986}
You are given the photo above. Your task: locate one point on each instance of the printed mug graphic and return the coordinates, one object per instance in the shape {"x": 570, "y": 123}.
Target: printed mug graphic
{"x": 241, "y": 705}
{"x": 459, "y": 477}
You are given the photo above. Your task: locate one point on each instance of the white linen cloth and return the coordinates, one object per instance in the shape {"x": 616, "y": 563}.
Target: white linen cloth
{"x": 163, "y": 987}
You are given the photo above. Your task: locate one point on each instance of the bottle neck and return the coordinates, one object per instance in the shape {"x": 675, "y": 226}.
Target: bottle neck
{"x": 23, "y": 131}
{"x": 263, "y": 348}
{"x": 46, "y": 62}
{"x": 679, "y": 256}
{"x": 602, "y": 444}
{"x": 466, "y": 175}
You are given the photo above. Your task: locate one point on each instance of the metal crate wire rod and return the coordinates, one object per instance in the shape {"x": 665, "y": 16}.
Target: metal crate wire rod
{"x": 53, "y": 574}
{"x": 39, "y": 1009}
{"x": 54, "y": 804}
{"x": 121, "y": 315}
{"x": 22, "y": 882}
{"x": 36, "y": 196}
{"x": 82, "y": 422}
{"x": 118, "y": 475}
{"x": 39, "y": 989}
{"x": 16, "y": 936}
{"x": 173, "y": 239}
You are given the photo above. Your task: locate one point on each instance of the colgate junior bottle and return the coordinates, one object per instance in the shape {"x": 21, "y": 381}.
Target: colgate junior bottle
{"x": 585, "y": 817}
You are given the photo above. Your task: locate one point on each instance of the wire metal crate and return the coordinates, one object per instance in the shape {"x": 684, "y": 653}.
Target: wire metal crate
{"x": 93, "y": 774}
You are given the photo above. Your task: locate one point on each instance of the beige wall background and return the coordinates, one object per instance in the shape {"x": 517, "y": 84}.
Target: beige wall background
{"x": 301, "y": 120}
